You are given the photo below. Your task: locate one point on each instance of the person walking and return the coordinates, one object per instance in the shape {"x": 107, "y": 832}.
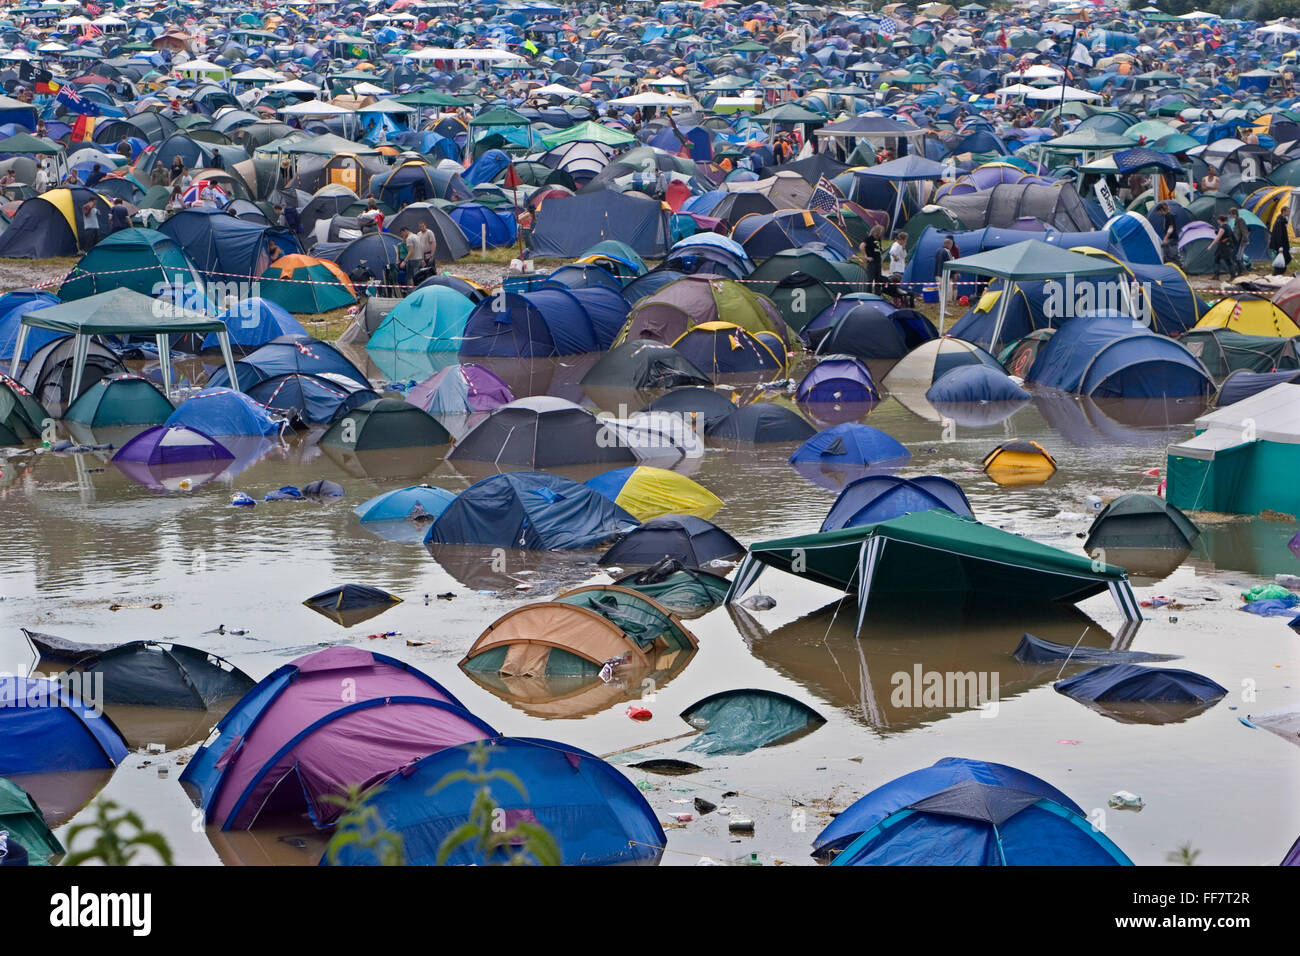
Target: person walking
{"x": 413, "y": 262}
{"x": 870, "y": 250}
{"x": 429, "y": 239}
{"x": 1225, "y": 250}
{"x": 1279, "y": 242}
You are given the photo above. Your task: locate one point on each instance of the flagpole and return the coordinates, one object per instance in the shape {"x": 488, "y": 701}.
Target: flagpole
{"x": 1069, "y": 58}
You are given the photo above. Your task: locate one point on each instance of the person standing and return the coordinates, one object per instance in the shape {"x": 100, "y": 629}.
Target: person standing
{"x": 898, "y": 268}
{"x": 525, "y": 222}
{"x": 871, "y": 252}
{"x": 413, "y": 261}
{"x": 1225, "y": 250}
{"x": 89, "y": 225}
{"x": 429, "y": 238}
{"x": 1242, "y": 235}
{"x": 119, "y": 218}
{"x": 1279, "y": 241}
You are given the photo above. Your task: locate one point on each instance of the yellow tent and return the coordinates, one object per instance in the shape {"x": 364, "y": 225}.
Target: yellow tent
{"x": 1250, "y": 315}
{"x": 646, "y": 492}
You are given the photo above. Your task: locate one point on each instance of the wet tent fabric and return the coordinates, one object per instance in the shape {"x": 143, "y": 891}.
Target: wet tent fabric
{"x": 740, "y": 721}
{"x": 547, "y": 321}
{"x": 1249, "y": 314}
{"x": 1108, "y": 356}
{"x": 172, "y": 445}
{"x": 1036, "y": 650}
{"x": 139, "y": 259}
{"x": 540, "y": 432}
{"x": 48, "y": 374}
{"x": 720, "y": 348}
{"x": 314, "y": 399}
{"x": 595, "y": 814}
{"x": 937, "y": 555}
{"x": 875, "y": 498}
{"x": 644, "y": 364}
{"x": 1242, "y": 385}
{"x": 1134, "y": 682}
{"x": 50, "y": 224}
{"x": 306, "y": 286}
{"x": 253, "y": 322}
{"x": 709, "y": 406}
{"x": 851, "y": 444}
{"x": 222, "y": 248}
{"x": 647, "y": 492}
{"x": 21, "y": 416}
{"x": 682, "y": 590}
{"x": 692, "y": 541}
{"x": 120, "y": 400}
{"x": 530, "y": 510}
{"x": 404, "y": 503}
{"x": 974, "y": 383}
{"x": 22, "y": 819}
{"x": 44, "y": 728}
{"x": 221, "y": 412}
{"x": 461, "y": 390}
{"x": 350, "y": 597}
{"x": 1141, "y": 521}
{"x": 976, "y": 824}
{"x": 431, "y": 319}
{"x": 902, "y": 791}
{"x": 157, "y": 674}
{"x": 13, "y": 306}
{"x": 868, "y": 329}
{"x": 567, "y": 226}
{"x": 681, "y": 305}
{"x": 760, "y": 423}
{"x": 291, "y": 353}
{"x": 837, "y": 379}
{"x": 385, "y": 423}
{"x": 1223, "y": 351}
{"x": 930, "y": 361}
{"x": 290, "y": 741}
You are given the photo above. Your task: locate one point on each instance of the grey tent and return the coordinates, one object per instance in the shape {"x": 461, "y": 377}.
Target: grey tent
{"x": 156, "y": 674}
{"x": 1143, "y": 522}
{"x": 1058, "y": 206}
{"x": 567, "y": 226}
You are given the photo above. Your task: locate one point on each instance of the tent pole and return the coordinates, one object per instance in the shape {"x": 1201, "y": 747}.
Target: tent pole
{"x": 223, "y": 337}
{"x": 23, "y": 329}
{"x": 80, "y": 348}
{"x": 1003, "y": 302}
{"x": 165, "y": 361}
{"x": 943, "y": 295}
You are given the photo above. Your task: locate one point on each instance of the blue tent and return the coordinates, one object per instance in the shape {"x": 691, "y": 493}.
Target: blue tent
{"x": 13, "y": 306}
{"x": 851, "y": 444}
{"x": 567, "y": 226}
{"x": 44, "y": 728}
{"x": 473, "y": 217}
{"x": 1134, "y": 682}
{"x": 223, "y": 411}
{"x": 596, "y": 815}
{"x": 253, "y": 322}
{"x": 692, "y": 541}
{"x": 377, "y": 250}
{"x": 548, "y": 321}
{"x": 290, "y": 353}
{"x": 431, "y": 319}
{"x": 874, "y": 498}
{"x": 403, "y": 503}
{"x": 529, "y": 509}
{"x": 1111, "y": 356}
{"x": 974, "y": 383}
{"x": 222, "y": 248}
{"x": 869, "y": 830}
{"x": 486, "y": 168}
{"x": 837, "y": 379}
{"x": 316, "y": 399}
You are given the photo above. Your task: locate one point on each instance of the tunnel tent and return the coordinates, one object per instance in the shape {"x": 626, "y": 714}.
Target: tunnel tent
{"x": 22, "y": 819}
{"x": 741, "y": 721}
{"x": 164, "y": 674}
{"x": 1141, "y": 521}
{"x": 937, "y": 555}
{"x": 122, "y": 312}
{"x": 595, "y": 814}
{"x": 45, "y": 728}
{"x": 1036, "y": 650}
{"x": 693, "y": 541}
{"x": 120, "y": 400}
{"x": 350, "y": 604}
{"x": 1028, "y": 260}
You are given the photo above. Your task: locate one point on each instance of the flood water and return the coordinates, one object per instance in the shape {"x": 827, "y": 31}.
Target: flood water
{"x": 81, "y": 536}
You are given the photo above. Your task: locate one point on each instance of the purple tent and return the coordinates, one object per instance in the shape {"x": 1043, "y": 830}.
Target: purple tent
{"x": 342, "y": 716}
{"x": 174, "y": 445}
{"x": 1294, "y": 544}
{"x": 1293, "y": 855}
{"x": 461, "y": 390}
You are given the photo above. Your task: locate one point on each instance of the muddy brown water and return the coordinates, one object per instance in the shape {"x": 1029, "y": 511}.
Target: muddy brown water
{"x": 81, "y": 536}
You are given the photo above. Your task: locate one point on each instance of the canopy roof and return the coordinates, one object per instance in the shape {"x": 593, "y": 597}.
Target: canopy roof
{"x": 120, "y": 311}
{"x": 1032, "y": 259}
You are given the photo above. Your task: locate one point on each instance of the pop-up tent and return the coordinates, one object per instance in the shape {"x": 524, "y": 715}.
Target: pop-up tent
{"x": 123, "y": 312}
{"x": 935, "y": 555}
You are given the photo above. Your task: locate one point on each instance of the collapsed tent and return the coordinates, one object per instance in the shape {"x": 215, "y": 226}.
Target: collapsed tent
{"x": 350, "y": 604}
{"x": 164, "y": 674}
{"x": 1036, "y": 650}
{"x": 22, "y": 821}
{"x": 740, "y": 721}
{"x": 646, "y": 364}
{"x": 682, "y": 590}
{"x": 647, "y": 492}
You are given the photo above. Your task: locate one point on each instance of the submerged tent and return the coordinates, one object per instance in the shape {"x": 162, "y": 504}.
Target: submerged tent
{"x": 739, "y": 721}
{"x": 761, "y": 423}
{"x": 595, "y": 814}
{"x": 527, "y": 509}
{"x": 648, "y": 492}
{"x": 1036, "y": 650}
{"x": 540, "y": 432}
{"x": 314, "y": 399}
{"x": 549, "y": 320}
{"x": 221, "y": 412}
{"x": 171, "y": 445}
{"x": 1134, "y": 682}
{"x": 688, "y": 539}
{"x": 120, "y": 400}
{"x": 644, "y": 364}
{"x": 163, "y": 674}
{"x": 350, "y": 604}
{"x": 385, "y": 423}
{"x": 460, "y": 390}
{"x": 937, "y": 556}
{"x": 875, "y": 498}
{"x": 21, "y": 818}
{"x": 417, "y": 501}
{"x": 1141, "y": 521}
{"x": 45, "y": 728}
{"x": 431, "y": 319}
{"x": 682, "y": 590}
{"x": 295, "y": 739}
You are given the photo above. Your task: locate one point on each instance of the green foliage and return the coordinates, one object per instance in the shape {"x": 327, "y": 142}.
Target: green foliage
{"x": 361, "y": 827}
{"x": 113, "y": 846}
{"x": 1183, "y": 856}
{"x": 524, "y": 844}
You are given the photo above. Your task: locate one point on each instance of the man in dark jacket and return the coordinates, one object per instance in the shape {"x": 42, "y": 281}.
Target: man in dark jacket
{"x": 1279, "y": 240}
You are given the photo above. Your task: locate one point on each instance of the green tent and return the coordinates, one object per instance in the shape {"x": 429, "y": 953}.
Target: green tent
{"x": 937, "y": 557}
{"x": 306, "y": 286}
{"x": 120, "y": 400}
{"x": 430, "y": 98}
{"x": 385, "y": 423}
{"x": 686, "y": 591}
{"x": 501, "y": 116}
{"x": 139, "y": 259}
{"x": 123, "y": 312}
{"x": 21, "y": 415}
{"x": 789, "y": 113}
{"x": 22, "y": 818}
{"x": 637, "y": 615}
{"x": 589, "y": 132}
{"x": 25, "y": 144}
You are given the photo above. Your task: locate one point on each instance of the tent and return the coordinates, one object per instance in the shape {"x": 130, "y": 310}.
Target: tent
{"x": 482, "y": 225}
{"x": 50, "y": 224}
{"x": 171, "y": 445}
{"x": 530, "y": 510}
{"x": 431, "y": 319}
{"x": 767, "y": 234}
{"x": 837, "y": 380}
{"x": 740, "y": 721}
{"x": 1241, "y": 469}
{"x": 550, "y": 320}
{"x": 596, "y": 816}
{"x": 290, "y": 353}
{"x": 720, "y": 348}
{"x": 927, "y": 363}
{"x": 577, "y": 635}
{"x": 868, "y": 329}
{"x": 405, "y": 504}
{"x": 970, "y": 384}
{"x": 350, "y": 604}
{"x": 1019, "y": 461}
{"x": 761, "y": 423}
{"x": 121, "y": 312}
{"x": 253, "y": 322}
{"x": 45, "y": 728}
{"x": 120, "y": 400}
{"x": 875, "y": 498}
{"x": 304, "y": 285}
{"x": 702, "y": 405}
{"x": 13, "y": 306}
{"x": 1249, "y": 314}
{"x": 933, "y": 556}
{"x": 644, "y": 363}
{"x": 140, "y": 259}
{"x": 295, "y": 739}
{"x": 313, "y": 399}
{"x": 162, "y": 674}
{"x": 693, "y": 541}
{"x": 1036, "y": 650}
{"x": 1244, "y": 384}
{"x": 21, "y": 416}
{"x": 646, "y": 492}
{"x": 540, "y": 432}
{"x": 222, "y": 412}
{"x": 1140, "y": 521}
{"x": 567, "y": 226}
{"x": 383, "y": 424}
{"x": 222, "y": 247}
{"x": 1223, "y": 351}
{"x": 852, "y": 445}
{"x": 1135, "y": 682}
{"x": 682, "y": 590}
{"x": 460, "y": 390}
{"x": 689, "y": 301}
{"x": 21, "y": 818}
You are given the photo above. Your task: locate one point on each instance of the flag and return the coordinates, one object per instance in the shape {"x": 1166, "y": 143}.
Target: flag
{"x": 94, "y": 9}
{"x": 1081, "y": 55}
{"x": 75, "y": 102}
{"x": 1002, "y": 38}
{"x": 825, "y": 199}
{"x": 512, "y": 178}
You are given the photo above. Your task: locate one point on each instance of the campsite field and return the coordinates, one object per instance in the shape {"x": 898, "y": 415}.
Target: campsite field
{"x": 82, "y": 537}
